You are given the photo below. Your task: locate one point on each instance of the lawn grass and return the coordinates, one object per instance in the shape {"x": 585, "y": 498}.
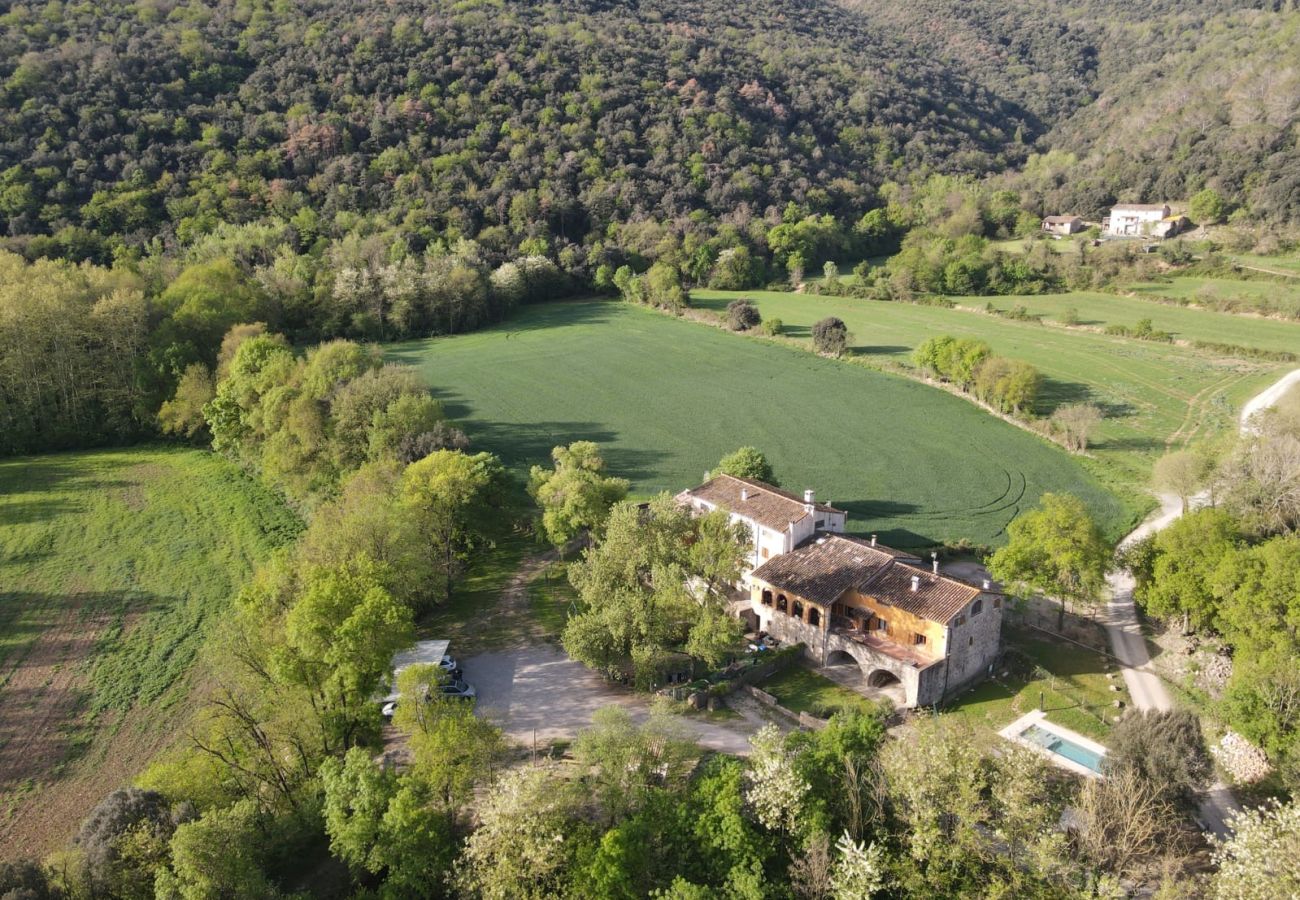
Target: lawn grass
{"x": 115, "y": 568}
{"x": 1290, "y": 264}
{"x": 159, "y": 539}
{"x": 473, "y": 619}
{"x": 550, "y": 597}
{"x": 1154, "y": 395}
{"x": 1070, "y": 682}
{"x": 800, "y": 689}
{"x": 1275, "y": 297}
{"x": 666, "y": 398}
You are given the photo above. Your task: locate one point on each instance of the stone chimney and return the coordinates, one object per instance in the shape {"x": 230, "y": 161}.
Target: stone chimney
{"x": 916, "y": 583}
{"x": 873, "y": 540}
{"x": 988, "y": 585}
{"x": 808, "y": 500}
{"x": 744, "y": 494}
{"x": 934, "y": 561}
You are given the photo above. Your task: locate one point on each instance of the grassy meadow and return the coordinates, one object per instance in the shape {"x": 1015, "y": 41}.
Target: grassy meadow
{"x": 114, "y": 565}
{"x": 1153, "y": 395}
{"x": 667, "y": 398}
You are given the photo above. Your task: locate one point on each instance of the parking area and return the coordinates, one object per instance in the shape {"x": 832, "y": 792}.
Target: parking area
{"x": 539, "y": 693}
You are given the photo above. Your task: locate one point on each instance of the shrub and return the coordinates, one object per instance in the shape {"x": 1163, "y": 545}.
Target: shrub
{"x": 772, "y": 327}
{"x": 830, "y": 336}
{"x": 1165, "y": 748}
{"x": 742, "y": 315}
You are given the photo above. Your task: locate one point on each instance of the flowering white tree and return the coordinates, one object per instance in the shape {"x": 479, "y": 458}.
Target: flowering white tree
{"x": 521, "y": 847}
{"x": 1262, "y": 858}
{"x": 777, "y": 792}
{"x": 858, "y": 871}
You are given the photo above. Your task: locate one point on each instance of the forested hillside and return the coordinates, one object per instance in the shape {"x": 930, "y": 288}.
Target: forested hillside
{"x": 1212, "y": 104}
{"x": 559, "y": 122}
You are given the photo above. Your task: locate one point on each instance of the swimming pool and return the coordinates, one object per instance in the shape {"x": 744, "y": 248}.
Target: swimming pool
{"x": 1064, "y": 747}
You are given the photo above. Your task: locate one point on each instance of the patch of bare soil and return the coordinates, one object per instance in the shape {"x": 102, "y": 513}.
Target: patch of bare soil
{"x": 1195, "y": 661}
{"x": 45, "y": 788}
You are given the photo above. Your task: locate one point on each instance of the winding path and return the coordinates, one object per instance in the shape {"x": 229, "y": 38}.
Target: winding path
{"x": 1129, "y": 646}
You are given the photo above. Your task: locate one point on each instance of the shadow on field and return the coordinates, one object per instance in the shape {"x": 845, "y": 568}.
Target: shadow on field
{"x": 43, "y": 474}
{"x": 1055, "y": 393}
{"x": 522, "y": 444}
{"x": 882, "y": 350}
{"x": 26, "y": 513}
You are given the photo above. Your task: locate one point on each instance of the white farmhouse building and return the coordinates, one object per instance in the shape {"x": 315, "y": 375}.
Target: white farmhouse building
{"x": 1136, "y": 219}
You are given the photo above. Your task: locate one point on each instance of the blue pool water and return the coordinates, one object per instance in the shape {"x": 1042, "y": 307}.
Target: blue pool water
{"x": 1063, "y": 747}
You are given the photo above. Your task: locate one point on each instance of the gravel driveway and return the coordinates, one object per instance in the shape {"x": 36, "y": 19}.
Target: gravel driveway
{"x": 538, "y": 691}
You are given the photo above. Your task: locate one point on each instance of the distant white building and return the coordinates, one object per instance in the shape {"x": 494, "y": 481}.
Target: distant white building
{"x": 1063, "y": 224}
{"x": 1137, "y": 220}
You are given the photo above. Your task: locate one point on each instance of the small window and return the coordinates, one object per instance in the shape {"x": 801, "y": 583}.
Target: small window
{"x": 767, "y": 598}
{"x": 781, "y": 603}
{"x": 821, "y": 523}
{"x": 814, "y": 617}
{"x": 997, "y": 602}
{"x": 882, "y": 625}
{"x": 798, "y": 609}
{"x": 918, "y": 639}
{"x": 977, "y": 608}
{"x": 764, "y": 553}
{"x": 959, "y": 621}
{"x": 970, "y": 642}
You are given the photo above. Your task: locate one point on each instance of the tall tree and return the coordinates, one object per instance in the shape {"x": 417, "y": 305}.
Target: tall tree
{"x": 575, "y": 495}
{"x": 1055, "y": 549}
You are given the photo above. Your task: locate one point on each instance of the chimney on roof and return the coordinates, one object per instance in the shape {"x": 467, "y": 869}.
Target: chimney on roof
{"x": 873, "y": 540}
{"x": 934, "y": 565}
{"x": 987, "y": 584}
{"x": 916, "y": 583}
{"x": 744, "y": 494}
{"x": 808, "y": 500}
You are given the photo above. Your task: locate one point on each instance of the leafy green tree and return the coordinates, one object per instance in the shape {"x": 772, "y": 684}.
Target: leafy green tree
{"x": 655, "y": 577}
{"x": 385, "y": 825}
{"x": 183, "y": 413}
{"x": 1187, "y": 555}
{"x": 452, "y": 749}
{"x": 1181, "y": 472}
{"x": 217, "y": 856}
{"x": 1208, "y": 207}
{"x": 1056, "y": 549}
{"x": 628, "y": 761}
{"x": 576, "y": 495}
{"x": 747, "y": 462}
{"x": 453, "y": 497}
{"x": 339, "y": 639}
{"x": 777, "y": 791}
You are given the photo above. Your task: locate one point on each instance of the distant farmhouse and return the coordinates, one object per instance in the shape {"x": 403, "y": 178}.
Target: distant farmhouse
{"x": 1063, "y": 224}
{"x": 1143, "y": 220}
{"x": 849, "y": 599}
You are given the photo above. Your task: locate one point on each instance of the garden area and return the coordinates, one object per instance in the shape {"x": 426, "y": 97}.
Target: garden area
{"x": 1073, "y": 684}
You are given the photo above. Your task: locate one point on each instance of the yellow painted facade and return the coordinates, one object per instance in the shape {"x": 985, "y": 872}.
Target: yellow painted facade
{"x": 902, "y": 624}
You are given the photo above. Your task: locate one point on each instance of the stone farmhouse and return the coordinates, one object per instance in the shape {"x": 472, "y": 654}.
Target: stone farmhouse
{"x": 1063, "y": 225}
{"x": 854, "y": 600}
{"x": 1144, "y": 220}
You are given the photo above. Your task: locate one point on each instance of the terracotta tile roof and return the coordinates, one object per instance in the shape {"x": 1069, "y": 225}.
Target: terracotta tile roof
{"x": 1061, "y": 220}
{"x": 823, "y": 568}
{"x": 1140, "y": 207}
{"x": 937, "y": 597}
{"x": 769, "y": 506}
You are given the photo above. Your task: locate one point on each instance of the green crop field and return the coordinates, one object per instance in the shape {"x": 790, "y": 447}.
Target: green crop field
{"x": 113, "y": 565}
{"x": 1153, "y": 395}
{"x": 666, "y": 398}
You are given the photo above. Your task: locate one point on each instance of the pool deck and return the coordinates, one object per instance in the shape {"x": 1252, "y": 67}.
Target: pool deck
{"x": 1037, "y": 717}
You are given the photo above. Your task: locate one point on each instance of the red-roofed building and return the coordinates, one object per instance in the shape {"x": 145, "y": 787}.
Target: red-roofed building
{"x": 851, "y": 599}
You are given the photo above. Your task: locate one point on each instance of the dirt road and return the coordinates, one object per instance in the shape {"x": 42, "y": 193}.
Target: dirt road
{"x": 1147, "y": 690}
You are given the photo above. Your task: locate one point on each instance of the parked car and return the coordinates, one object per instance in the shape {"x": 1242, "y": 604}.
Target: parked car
{"x": 448, "y": 664}
{"x": 457, "y": 688}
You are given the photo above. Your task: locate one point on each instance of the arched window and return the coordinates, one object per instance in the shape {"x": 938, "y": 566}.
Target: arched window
{"x": 767, "y": 598}
{"x": 814, "y": 617}
{"x": 782, "y": 604}
{"x": 798, "y": 609}
{"x": 977, "y": 608}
